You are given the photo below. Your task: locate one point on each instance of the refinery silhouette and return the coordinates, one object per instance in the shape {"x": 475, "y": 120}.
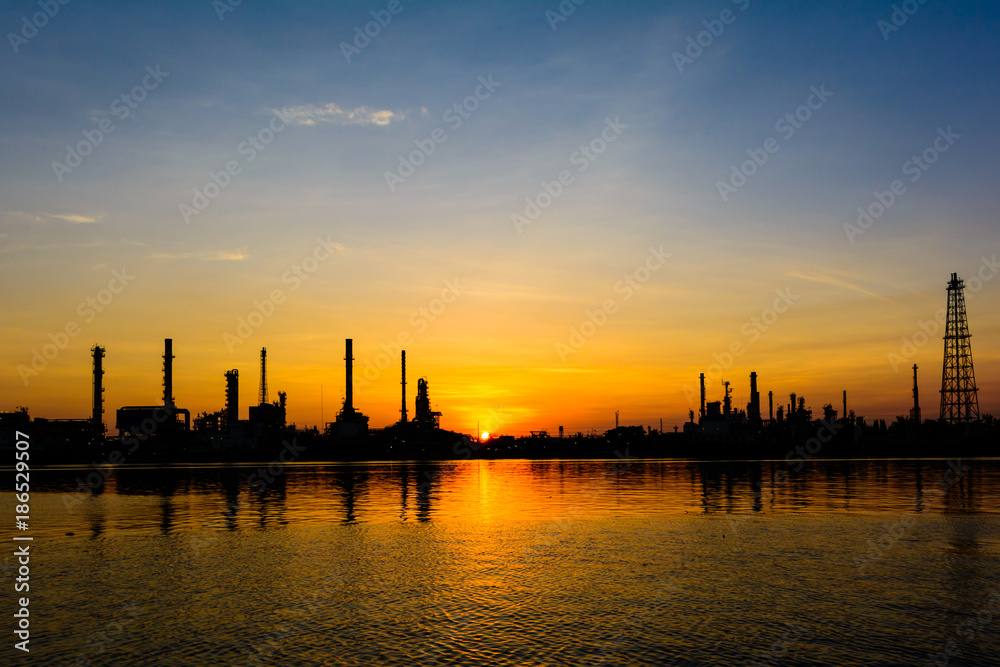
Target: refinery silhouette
{"x": 166, "y": 432}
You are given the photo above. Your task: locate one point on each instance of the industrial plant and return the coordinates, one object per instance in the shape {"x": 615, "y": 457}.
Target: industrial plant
{"x": 719, "y": 429}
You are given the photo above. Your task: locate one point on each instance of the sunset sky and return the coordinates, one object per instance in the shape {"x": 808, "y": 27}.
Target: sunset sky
{"x": 385, "y": 187}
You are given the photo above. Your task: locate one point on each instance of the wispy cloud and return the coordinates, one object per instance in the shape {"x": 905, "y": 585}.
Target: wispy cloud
{"x": 21, "y": 216}
{"x": 209, "y": 256}
{"x": 75, "y": 219}
{"x": 333, "y": 114}
{"x": 837, "y": 282}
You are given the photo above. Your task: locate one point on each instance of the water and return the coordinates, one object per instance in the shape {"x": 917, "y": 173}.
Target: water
{"x": 518, "y": 563}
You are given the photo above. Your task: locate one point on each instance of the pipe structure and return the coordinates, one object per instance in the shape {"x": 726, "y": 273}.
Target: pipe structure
{"x": 98, "y": 413}
{"x": 702, "y": 378}
{"x": 168, "y": 372}
{"x": 402, "y": 410}
{"x": 232, "y": 397}
{"x": 349, "y": 392}
{"x": 262, "y": 399}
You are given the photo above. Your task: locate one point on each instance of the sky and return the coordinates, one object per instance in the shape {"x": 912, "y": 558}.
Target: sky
{"x": 561, "y": 210}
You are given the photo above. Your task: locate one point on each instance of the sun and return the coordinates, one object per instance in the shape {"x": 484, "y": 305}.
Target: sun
{"x": 485, "y": 436}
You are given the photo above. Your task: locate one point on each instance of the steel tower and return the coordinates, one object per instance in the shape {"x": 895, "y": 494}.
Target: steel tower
{"x": 959, "y": 401}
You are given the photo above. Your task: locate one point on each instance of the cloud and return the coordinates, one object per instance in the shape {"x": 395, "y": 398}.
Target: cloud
{"x": 837, "y": 282}
{"x": 75, "y": 219}
{"x": 332, "y": 114}
{"x": 20, "y": 216}
{"x": 210, "y": 256}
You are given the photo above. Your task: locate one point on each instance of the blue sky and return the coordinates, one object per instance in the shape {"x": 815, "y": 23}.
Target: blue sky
{"x": 656, "y": 184}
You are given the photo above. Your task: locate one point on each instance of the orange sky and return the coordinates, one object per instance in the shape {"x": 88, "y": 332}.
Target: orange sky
{"x": 494, "y": 354}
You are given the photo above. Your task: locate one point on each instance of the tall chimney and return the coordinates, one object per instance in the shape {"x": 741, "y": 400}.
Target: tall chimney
{"x": 262, "y": 397}
{"x": 168, "y": 372}
{"x": 403, "y": 409}
{"x": 232, "y": 397}
{"x": 349, "y": 359}
{"x": 770, "y": 406}
{"x": 916, "y": 398}
{"x": 702, "y": 378}
{"x": 754, "y": 398}
{"x": 845, "y": 405}
{"x": 98, "y": 415}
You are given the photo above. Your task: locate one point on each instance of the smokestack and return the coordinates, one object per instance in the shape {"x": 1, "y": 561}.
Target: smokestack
{"x": 262, "y": 399}
{"x": 702, "y": 378}
{"x": 168, "y": 372}
{"x": 754, "y": 398}
{"x": 916, "y": 397}
{"x": 232, "y": 397}
{"x": 770, "y": 406}
{"x": 349, "y": 359}
{"x": 402, "y": 410}
{"x": 845, "y": 405}
{"x": 97, "y": 418}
